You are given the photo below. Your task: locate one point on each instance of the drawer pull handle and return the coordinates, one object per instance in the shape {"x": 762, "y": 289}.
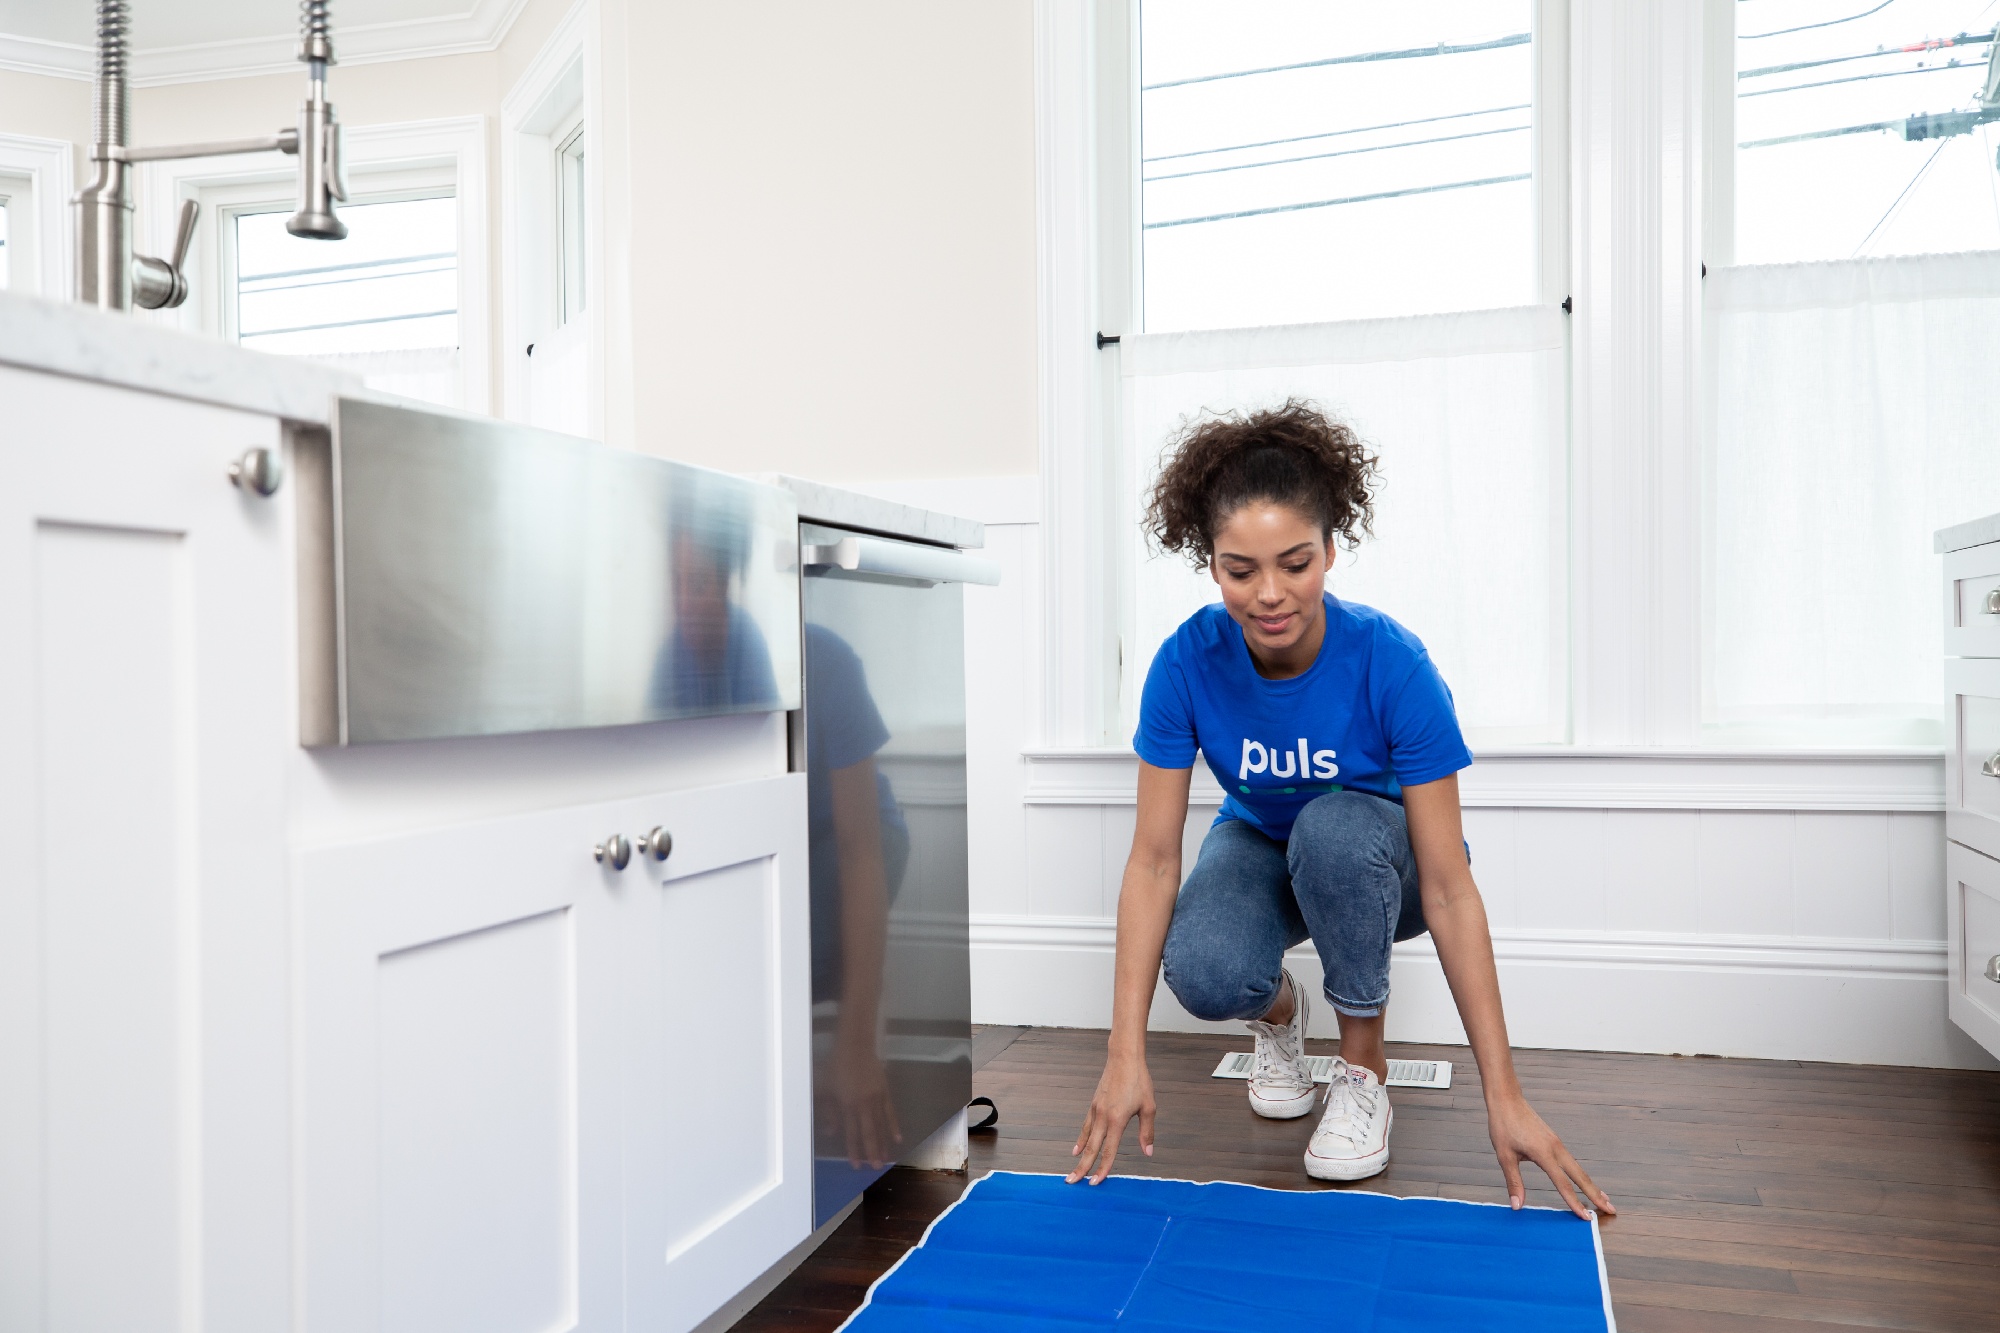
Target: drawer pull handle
{"x": 1993, "y": 968}
{"x": 615, "y": 851}
{"x": 1993, "y": 601}
{"x": 1991, "y": 768}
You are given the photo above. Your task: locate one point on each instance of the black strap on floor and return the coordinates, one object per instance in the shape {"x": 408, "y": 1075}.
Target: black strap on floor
{"x": 990, "y": 1121}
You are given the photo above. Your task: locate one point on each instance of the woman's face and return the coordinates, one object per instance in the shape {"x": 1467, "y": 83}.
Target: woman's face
{"x": 1270, "y": 563}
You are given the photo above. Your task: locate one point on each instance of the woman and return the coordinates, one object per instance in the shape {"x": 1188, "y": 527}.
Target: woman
{"x": 1336, "y": 742}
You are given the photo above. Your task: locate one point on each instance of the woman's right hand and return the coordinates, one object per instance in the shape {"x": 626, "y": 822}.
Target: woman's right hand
{"x": 1125, "y": 1090}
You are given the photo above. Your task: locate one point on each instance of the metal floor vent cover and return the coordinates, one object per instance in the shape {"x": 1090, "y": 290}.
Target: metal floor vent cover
{"x": 1402, "y": 1073}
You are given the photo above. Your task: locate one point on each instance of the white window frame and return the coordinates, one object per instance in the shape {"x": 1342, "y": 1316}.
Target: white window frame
{"x": 572, "y": 213}
{"x": 41, "y": 215}
{"x": 1638, "y": 194}
{"x": 1091, "y": 282}
{"x": 414, "y": 159}
{"x": 555, "y": 97}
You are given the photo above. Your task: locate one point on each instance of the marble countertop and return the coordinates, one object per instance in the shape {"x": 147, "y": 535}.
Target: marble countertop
{"x": 1978, "y": 532}
{"x": 821, "y": 503}
{"x": 68, "y": 338}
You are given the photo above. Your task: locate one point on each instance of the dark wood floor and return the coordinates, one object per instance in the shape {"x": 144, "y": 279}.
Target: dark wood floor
{"x": 1754, "y": 1196}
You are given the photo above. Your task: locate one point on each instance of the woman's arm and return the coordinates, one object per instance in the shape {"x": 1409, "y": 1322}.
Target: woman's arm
{"x": 1457, "y": 921}
{"x": 1145, "y": 906}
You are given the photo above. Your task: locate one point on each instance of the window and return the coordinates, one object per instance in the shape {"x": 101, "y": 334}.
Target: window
{"x": 547, "y": 216}
{"x": 1303, "y": 162}
{"x": 383, "y": 301}
{"x": 1849, "y": 353}
{"x": 18, "y": 219}
{"x": 1864, "y": 129}
{"x": 569, "y": 208}
{"x": 1344, "y": 203}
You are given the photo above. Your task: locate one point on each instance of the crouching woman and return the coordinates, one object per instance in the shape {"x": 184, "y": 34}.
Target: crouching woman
{"x": 1336, "y": 743}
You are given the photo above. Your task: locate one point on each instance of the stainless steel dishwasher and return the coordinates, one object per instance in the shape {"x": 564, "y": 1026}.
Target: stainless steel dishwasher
{"x": 883, "y": 736}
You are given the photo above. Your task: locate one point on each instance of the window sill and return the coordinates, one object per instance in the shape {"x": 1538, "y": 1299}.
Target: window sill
{"x": 1593, "y": 778}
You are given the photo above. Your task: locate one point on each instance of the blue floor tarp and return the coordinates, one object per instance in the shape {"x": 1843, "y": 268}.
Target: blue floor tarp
{"x": 1028, "y": 1251}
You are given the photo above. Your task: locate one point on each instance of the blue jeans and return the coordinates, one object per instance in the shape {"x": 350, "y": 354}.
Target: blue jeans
{"x": 1347, "y": 879}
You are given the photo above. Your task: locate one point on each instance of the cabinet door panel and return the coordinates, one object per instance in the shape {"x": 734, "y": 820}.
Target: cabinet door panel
{"x": 144, "y": 718}
{"x": 1972, "y": 899}
{"x": 718, "y": 1103}
{"x": 460, "y": 1132}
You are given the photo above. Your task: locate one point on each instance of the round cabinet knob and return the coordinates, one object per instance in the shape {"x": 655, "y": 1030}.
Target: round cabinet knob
{"x": 658, "y": 844}
{"x": 615, "y": 851}
{"x": 1993, "y": 968}
{"x": 259, "y": 470}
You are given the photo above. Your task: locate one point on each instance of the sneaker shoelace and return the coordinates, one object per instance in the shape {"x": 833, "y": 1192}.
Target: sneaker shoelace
{"x": 1281, "y": 1057}
{"x": 1351, "y": 1109}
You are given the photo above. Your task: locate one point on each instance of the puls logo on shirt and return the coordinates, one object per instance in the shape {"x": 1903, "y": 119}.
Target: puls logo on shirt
{"x": 1300, "y": 762}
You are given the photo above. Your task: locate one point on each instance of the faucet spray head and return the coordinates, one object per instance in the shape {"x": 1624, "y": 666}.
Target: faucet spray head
{"x": 321, "y": 180}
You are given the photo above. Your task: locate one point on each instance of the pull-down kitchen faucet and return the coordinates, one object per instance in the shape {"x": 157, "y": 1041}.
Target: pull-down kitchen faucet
{"x": 108, "y": 273}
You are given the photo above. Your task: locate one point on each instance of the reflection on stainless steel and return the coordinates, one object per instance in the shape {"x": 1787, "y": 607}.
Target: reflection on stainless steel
{"x": 486, "y": 577}
{"x": 884, "y": 741}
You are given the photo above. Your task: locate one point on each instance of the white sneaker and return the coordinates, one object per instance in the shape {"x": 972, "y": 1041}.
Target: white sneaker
{"x": 1352, "y": 1141}
{"x": 1281, "y": 1086}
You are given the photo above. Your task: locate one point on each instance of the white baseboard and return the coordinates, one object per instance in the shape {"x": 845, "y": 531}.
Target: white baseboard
{"x": 1843, "y": 1001}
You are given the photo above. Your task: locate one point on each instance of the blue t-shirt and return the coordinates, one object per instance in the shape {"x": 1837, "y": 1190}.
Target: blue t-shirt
{"x": 1370, "y": 714}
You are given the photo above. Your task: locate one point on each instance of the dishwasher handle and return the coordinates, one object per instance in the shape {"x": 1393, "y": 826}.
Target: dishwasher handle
{"x": 900, "y": 560}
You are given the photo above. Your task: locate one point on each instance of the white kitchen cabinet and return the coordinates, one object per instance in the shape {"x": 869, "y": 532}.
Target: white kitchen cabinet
{"x": 1972, "y": 777}
{"x": 350, "y": 1038}
{"x": 540, "y": 1092}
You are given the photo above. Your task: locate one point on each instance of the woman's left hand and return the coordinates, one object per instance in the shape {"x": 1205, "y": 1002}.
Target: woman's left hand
{"x": 1521, "y": 1135}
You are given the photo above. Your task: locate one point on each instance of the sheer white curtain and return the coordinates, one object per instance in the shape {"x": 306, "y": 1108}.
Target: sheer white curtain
{"x": 1854, "y": 409}
{"x": 1467, "y": 413}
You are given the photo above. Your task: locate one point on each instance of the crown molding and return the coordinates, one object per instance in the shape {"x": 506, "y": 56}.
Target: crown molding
{"x": 482, "y": 28}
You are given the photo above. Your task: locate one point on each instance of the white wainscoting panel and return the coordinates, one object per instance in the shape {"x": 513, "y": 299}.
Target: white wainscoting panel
{"x": 1916, "y": 868}
{"x": 1849, "y": 1001}
{"x": 1656, "y": 860}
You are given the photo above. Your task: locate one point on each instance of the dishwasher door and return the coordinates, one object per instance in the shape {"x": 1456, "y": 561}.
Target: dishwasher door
{"x": 884, "y": 753}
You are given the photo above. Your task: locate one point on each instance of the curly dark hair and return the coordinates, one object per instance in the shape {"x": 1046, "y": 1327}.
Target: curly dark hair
{"x": 1297, "y": 455}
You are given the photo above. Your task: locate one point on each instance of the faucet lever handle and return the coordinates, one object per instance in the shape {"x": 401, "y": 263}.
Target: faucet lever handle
{"x": 184, "y": 237}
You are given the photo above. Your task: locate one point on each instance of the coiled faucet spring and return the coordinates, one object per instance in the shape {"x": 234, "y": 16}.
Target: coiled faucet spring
{"x": 316, "y": 31}
{"x": 110, "y": 120}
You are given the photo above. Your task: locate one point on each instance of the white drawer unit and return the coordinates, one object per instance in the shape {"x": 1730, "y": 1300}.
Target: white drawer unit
{"x": 1971, "y": 554}
{"x": 1974, "y": 922}
{"x": 1972, "y": 770}
{"x": 1972, "y": 602}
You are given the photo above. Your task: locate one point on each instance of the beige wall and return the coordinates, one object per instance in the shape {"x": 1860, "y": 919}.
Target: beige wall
{"x": 820, "y": 221}
{"x": 831, "y": 265}
{"x": 47, "y": 108}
